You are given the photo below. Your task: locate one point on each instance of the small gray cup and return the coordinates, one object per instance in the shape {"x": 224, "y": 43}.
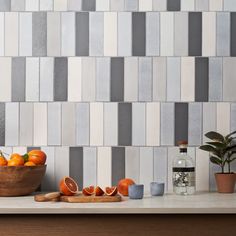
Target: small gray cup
{"x": 136, "y": 191}
{"x": 157, "y": 188}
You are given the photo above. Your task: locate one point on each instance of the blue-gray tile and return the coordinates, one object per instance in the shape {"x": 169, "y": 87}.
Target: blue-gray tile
{"x": 131, "y": 5}
{"x": 229, "y": 5}
{"x": 5, "y": 5}
{"x": 88, "y": 5}
{"x": 118, "y": 164}
{"x": 17, "y": 5}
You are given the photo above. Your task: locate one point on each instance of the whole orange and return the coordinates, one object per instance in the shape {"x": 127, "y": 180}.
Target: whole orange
{"x": 123, "y": 186}
{"x": 3, "y": 161}
{"x": 20, "y": 160}
{"x": 14, "y": 162}
{"x": 29, "y": 163}
{"x": 38, "y": 157}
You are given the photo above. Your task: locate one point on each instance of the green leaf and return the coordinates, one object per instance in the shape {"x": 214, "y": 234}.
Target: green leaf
{"x": 215, "y": 136}
{"x": 217, "y": 144}
{"x": 231, "y": 149}
{"x": 216, "y": 160}
{"x": 227, "y": 136}
{"x": 26, "y": 157}
{"x": 231, "y": 160}
{"x": 208, "y": 148}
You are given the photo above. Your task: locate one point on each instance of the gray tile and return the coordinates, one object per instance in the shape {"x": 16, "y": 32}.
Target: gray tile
{"x": 17, "y": 5}
{"x": 2, "y": 124}
{"x": 82, "y": 124}
{"x": 181, "y": 122}
{"x": 233, "y": 34}
{"x": 74, "y": 5}
{"x": 212, "y": 182}
{"x": 82, "y": 34}
{"x": 132, "y": 163}
{"x": 117, "y": 79}
{"x": 195, "y": 124}
{"x": 5, "y": 5}
{"x": 118, "y": 164}
{"x": 18, "y": 79}
{"x": 173, "y": 5}
{"x": 131, "y": 5}
{"x": 195, "y": 34}
{"x": 145, "y": 79}
{"x": 201, "y": 5}
{"x": 222, "y": 34}
{"x": 54, "y": 123}
{"x": 33, "y": 148}
{"x": 233, "y": 117}
{"x": 60, "y": 78}
{"x": 116, "y": 5}
{"x": 76, "y": 165}
{"x": 138, "y": 33}
{"x": 103, "y": 79}
{"x": 201, "y": 79}
{"x": 152, "y": 33}
{"x": 39, "y": 33}
{"x": 229, "y": 5}
{"x": 159, "y": 5}
{"x": 125, "y": 124}
{"x": 167, "y": 124}
{"x": 88, "y": 5}
{"x": 215, "y": 79}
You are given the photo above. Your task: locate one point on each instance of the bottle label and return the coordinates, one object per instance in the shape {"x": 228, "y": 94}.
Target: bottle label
{"x": 184, "y": 176}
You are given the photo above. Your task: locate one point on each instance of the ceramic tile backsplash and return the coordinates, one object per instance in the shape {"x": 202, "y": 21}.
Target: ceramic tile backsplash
{"x": 107, "y": 87}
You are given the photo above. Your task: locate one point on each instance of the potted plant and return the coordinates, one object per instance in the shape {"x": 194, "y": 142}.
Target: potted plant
{"x": 222, "y": 151}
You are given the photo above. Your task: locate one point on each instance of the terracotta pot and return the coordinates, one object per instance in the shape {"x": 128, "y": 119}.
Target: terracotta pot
{"x": 225, "y": 182}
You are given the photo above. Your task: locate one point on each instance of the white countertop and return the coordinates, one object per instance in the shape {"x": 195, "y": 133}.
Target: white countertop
{"x": 171, "y": 204}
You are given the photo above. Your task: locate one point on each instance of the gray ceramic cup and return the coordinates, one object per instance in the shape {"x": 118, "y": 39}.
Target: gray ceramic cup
{"x": 157, "y": 188}
{"x": 136, "y": 191}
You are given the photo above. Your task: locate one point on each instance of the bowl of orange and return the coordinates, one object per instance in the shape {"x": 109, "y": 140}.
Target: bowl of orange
{"x": 21, "y": 174}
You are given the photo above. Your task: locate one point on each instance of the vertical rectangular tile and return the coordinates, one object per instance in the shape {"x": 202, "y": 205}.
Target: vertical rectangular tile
{"x": 159, "y": 79}
{"x": 49, "y": 182}
{"x": 110, "y": 34}
{"x": 96, "y": 124}
{"x": 102, "y": 5}
{"x": 222, "y": 34}
{"x": 223, "y": 118}
{"x": 39, "y": 34}
{"x": 32, "y": 79}
{"x": 11, "y": 33}
{"x": 25, "y": 34}
{"x": 130, "y": 78}
{"x": 88, "y": 79}
{"x": 138, "y": 124}
{"x": 131, "y": 5}
{"x": 132, "y": 163}
{"x": 229, "y": 5}
{"x": 117, "y": 79}
{"x": 74, "y": 79}
{"x": 195, "y": 34}
{"x": 5, "y": 68}
{"x": 209, "y": 34}
{"x": 187, "y": 78}
{"x": 18, "y": 79}
{"x": 138, "y": 33}
{"x": 53, "y": 34}
{"x": 215, "y": 79}
{"x": 103, "y": 75}
{"x": 145, "y": 5}
{"x": 46, "y": 5}
{"x": 159, "y": 5}
{"x": 152, "y": 33}
{"x": 6, "y": 150}
{"x": 67, "y": 33}
{"x": 173, "y": 79}
{"x": 54, "y": 123}
{"x": 201, "y": 5}
{"x": 46, "y": 79}
{"x": 60, "y": 78}
{"x": 88, "y": 5}
{"x": 40, "y": 124}
{"x": 60, "y": 5}
{"x": 116, "y": 5}
{"x": 104, "y": 163}
{"x": 76, "y": 165}
{"x": 82, "y": 124}
{"x": 181, "y": 122}
{"x": 233, "y": 117}
{"x": 2, "y": 34}
{"x": 124, "y": 34}
{"x": 167, "y": 34}
{"x": 62, "y": 160}
{"x": 74, "y": 5}
{"x": 82, "y": 34}
{"x": 89, "y": 166}
{"x": 26, "y": 124}
{"x": 96, "y": 34}
{"x": 167, "y": 124}
{"x": 20, "y": 150}
{"x": 110, "y": 124}
{"x": 68, "y": 124}
{"x": 153, "y": 124}
{"x": 145, "y": 79}
{"x": 160, "y": 163}
{"x": 187, "y": 5}
{"x": 146, "y": 167}
{"x": 216, "y": 5}
{"x": 117, "y": 164}
{"x": 31, "y": 5}
{"x": 202, "y": 170}
{"x": 181, "y": 34}
{"x": 172, "y": 151}
{"x": 201, "y": 79}
{"x": 124, "y": 124}
{"x": 173, "y": 5}
{"x": 232, "y": 33}
{"x": 195, "y": 124}
{"x": 12, "y": 124}
{"x": 17, "y": 5}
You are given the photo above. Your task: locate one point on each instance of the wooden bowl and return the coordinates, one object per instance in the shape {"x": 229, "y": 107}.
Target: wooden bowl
{"x": 20, "y": 180}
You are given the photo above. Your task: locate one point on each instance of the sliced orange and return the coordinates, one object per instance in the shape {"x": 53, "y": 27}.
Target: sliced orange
{"x": 88, "y": 191}
{"x": 98, "y": 191}
{"x": 68, "y": 186}
{"x": 29, "y": 163}
{"x": 111, "y": 191}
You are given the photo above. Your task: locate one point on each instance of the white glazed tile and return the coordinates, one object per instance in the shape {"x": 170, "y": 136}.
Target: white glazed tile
{"x": 102, "y": 5}
{"x": 46, "y": 5}
{"x": 60, "y": 5}
{"x": 223, "y": 118}
{"x": 172, "y": 151}
{"x": 215, "y": 5}
{"x": 132, "y": 163}
{"x": 145, "y": 5}
{"x": 187, "y": 5}
{"x": 2, "y": 35}
{"x": 31, "y": 5}
{"x": 5, "y": 84}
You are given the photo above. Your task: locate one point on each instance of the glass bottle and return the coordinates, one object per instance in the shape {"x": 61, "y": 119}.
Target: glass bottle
{"x": 183, "y": 176}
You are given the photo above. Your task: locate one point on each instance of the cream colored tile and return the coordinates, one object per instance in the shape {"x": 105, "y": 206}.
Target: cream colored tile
{"x": 32, "y": 5}
{"x": 60, "y": 5}
{"x": 20, "y": 150}
{"x": 145, "y": 5}
{"x": 5, "y": 84}
{"x": 215, "y": 5}
{"x": 2, "y": 35}
{"x": 223, "y": 118}
{"x": 188, "y": 5}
